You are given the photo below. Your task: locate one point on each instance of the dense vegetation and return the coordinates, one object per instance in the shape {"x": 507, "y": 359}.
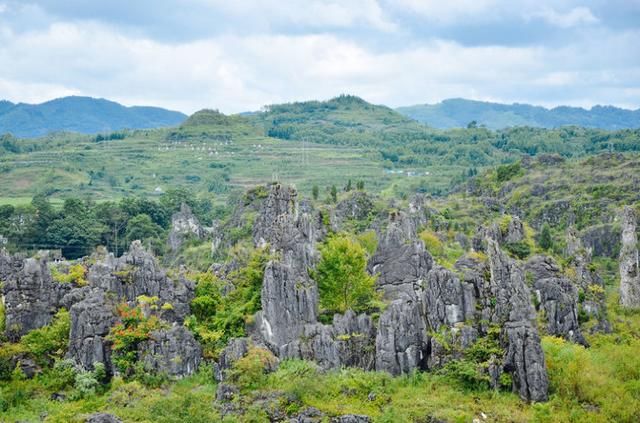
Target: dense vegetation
{"x": 293, "y": 143}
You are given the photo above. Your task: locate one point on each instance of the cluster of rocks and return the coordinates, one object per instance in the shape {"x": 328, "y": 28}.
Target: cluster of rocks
{"x": 32, "y": 297}
{"x": 425, "y": 301}
{"x": 432, "y": 316}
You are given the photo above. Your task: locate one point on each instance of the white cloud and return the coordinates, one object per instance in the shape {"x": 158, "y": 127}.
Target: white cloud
{"x": 447, "y": 11}
{"x": 239, "y": 72}
{"x": 575, "y": 17}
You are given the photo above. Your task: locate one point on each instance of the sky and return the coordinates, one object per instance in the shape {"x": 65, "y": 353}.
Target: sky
{"x": 239, "y": 55}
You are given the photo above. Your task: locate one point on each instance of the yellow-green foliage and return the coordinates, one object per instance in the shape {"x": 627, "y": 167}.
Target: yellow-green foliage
{"x": 76, "y": 274}
{"x": 250, "y": 372}
{"x": 599, "y": 384}
{"x": 369, "y": 241}
{"x": 504, "y": 223}
{"x": 445, "y": 253}
{"x": 431, "y": 242}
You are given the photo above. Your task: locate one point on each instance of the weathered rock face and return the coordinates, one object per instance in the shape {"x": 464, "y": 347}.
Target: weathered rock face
{"x": 173, "y": 352}
{"x": 447, "y": 300}
{"x": 91, "y": 320}
{"x": 234, "y": 351}
{"x": 289, "y": 302}
{"x": 357, "y": 207}
{"x": 513, "y": 310}
{"x": 629, "y": 261}
{"x": 401, "y": 261}
{"x": 138, "y": 273}
{"x": 593, "y": 301}
{"x": 287, "y": 228}
{"x": 602, "y": 240}
{"x": 349, "y": 341}
{"x": 184, "y": 224}
{"x": 402, "y": 342}
{"x": 31, "y": 296}
{"x": 115, "y": 280}
{"x": 512, "y": 233}
{"x": 557, "y": 297}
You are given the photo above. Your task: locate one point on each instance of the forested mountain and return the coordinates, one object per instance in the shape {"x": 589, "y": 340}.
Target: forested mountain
{"x": 80, "y": 114}
{"x": 458, "y": 113}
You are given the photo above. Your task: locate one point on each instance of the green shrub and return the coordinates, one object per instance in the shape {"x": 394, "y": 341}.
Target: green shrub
{"x": 250, "y": 372}
{"x": 49, "y": 342}
{"x": 519, "y": 250}
{"x": 127, "y": 334}
{"x": 76, "y": 274}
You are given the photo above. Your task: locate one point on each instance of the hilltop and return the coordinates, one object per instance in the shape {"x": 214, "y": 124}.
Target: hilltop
{"x": 80, "y": 114}
{"x": 458, "y": 113}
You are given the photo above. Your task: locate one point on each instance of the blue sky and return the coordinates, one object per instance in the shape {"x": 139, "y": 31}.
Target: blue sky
{"x": 240, "y": 55}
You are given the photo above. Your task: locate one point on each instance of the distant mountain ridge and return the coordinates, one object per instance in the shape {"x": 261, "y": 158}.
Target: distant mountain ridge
{"x": 81, "y": 114}
{"x": 454, "y": 113}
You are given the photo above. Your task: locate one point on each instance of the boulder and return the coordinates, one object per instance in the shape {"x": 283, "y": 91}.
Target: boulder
{"x": 102, "y": 418}
{"x": 234, "y": 351}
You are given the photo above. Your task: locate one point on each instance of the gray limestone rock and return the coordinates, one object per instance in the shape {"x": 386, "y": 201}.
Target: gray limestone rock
{"x": 31, "y": 296}
{"x": 557, "y": 297}
{"x": 289, "y": 302}
{"x": 102, "y": 418}
{"x": 184, "y": 224}
{"x": 629, "y": 261}
{"x": 91, "y": 320}
{"x": 401, "y": 261}
{"x": 173, "y": 352}
{"x": 401, "y": 342}
{"x": 234, "y": 351}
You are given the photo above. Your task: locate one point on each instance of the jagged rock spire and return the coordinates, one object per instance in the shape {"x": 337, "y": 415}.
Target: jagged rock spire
{"x": 629, "y": 267}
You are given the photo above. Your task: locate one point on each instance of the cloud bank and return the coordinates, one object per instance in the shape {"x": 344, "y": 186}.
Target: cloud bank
{"x": 239, "y": 56}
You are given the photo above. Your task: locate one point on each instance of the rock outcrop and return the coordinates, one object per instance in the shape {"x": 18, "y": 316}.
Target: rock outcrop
{"x": 184, "y": 224}
{"x": 557, "y": 298}
{"x": 173, "y": 352}
{"x": 514, "y": 312}
{"x": 401, "y": 261}
{"x": 31, "y": 296}
{"x": 629, "y": 261}
{"x": 91, "y": 320}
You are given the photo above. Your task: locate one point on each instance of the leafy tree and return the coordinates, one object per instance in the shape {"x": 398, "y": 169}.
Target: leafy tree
{"x": 142, "y": 227}
{"x": 342, "y": 277}
{"x": 314, "y": 192}
{"x": 545, "y": 240}
{"x": 348, "y": 187}
{"x": 334, "y": 193}
{"x": 360, "y": 185}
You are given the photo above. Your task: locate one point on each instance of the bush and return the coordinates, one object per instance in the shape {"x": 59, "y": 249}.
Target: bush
{"x": 49, "y": 342}
{"x": 89, "y": 383}
{"x": 76, "y": 274}
{"x": 250, "y": 372}
{"x": 126, "y": 335}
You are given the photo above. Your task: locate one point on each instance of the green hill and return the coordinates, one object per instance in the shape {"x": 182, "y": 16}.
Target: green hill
{"x": 458, "y": 113}
{"x": 80, "y": 114}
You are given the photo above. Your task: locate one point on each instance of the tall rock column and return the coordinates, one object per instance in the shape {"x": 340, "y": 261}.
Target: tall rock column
{"x": 524, "y": 357}
{"x": 629, "y": 267}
